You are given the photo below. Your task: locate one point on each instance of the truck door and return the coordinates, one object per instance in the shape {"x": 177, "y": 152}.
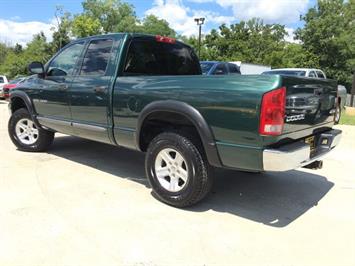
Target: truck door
{"x": 90, "y": 90}
{"x": 52, "y": 103}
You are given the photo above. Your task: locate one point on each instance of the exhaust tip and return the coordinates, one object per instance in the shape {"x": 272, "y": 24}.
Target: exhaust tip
{"x": 315, "y": 165}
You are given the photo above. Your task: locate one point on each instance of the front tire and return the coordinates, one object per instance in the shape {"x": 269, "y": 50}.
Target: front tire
{"x": 26, "y": 135}
{"x": 177, "y": 170}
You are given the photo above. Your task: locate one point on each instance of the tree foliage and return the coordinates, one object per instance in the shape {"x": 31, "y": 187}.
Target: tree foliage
{"x": 113, "y": 15}
{"x": 329, "y": 34}
{"x": 16, "y": 61}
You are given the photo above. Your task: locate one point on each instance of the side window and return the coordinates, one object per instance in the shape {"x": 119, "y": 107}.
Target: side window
{"x": 221, "y": 69}
{"x": 312, "y": 74}
{"x": 64, "y": 63}
{"x": 1, "y": 80}
{"x": 233, "y": 69}
{"x": 320, "y": 75}
{"x": 96, "y": 57}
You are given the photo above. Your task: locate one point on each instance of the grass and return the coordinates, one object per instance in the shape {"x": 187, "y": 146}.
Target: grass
{"x": 346, "y": 119}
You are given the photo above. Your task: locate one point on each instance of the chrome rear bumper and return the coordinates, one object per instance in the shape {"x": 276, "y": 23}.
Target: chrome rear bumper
{"x": 298, "y": 154}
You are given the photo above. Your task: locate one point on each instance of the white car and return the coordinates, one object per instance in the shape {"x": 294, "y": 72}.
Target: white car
{"x": 302, "y": 72}
{"x": 3, "y": 81}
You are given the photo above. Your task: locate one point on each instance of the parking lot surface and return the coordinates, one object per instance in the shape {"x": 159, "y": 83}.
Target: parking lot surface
{"x": 87, "y": 203}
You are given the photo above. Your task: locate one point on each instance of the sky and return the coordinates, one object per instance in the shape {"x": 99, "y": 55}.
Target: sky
{"x": 21, "y": 19}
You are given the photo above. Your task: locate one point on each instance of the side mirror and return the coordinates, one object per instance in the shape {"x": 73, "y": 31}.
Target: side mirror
{"x": 36, "y": 68}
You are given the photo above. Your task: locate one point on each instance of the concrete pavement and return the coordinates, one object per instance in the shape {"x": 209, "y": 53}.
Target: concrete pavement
{"x": 86, "y": 203}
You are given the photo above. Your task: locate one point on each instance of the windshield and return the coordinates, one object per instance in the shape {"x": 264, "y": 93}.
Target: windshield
{"x": 301, "y": 73}
{"x": 205, "y": 67}
{"x": 15, "y": 81}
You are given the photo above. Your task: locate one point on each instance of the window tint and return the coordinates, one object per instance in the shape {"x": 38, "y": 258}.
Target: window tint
{"x": 64, "y": 63}
{"x": 206, "y": 67}
{"x": 312, "y": 74}
{"x": 285, "y": 72}
{"x": 320, "y": 75}
{"x": 1, "y": 80}
{"x": 149, "y": 57}
{"x": 233, "y": 69}
{"x": 97, "y": 57}
{"x": 221, "y": 69}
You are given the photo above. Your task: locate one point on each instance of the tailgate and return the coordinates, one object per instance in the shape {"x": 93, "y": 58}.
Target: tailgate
{"x": 310, "y": 104}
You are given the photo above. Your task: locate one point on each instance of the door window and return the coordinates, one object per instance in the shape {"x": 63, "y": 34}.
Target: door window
{"x": 64, "y": 63}
{"x": 221, "y": 69}
{"x": 97, "y": 57}
{"x": 312, "y": 74}
{"x": 320, "y": 75}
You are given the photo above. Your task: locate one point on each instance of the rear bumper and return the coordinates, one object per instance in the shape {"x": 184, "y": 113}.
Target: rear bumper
{"x": 298, "y": 154}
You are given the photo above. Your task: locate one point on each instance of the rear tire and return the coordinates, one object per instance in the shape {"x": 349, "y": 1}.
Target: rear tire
{"x": 177, "y": 170}
{"x": 26, "y": 135}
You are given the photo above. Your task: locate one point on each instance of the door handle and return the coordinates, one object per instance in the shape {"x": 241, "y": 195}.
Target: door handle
{"x": 100, "y": 89}
{"x": 63, "y": 87}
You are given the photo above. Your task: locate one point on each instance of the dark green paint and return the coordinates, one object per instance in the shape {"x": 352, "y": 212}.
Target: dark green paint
{"x": 229, "y": 104}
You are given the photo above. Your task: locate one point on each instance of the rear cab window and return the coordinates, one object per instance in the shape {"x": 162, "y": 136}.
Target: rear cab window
{"x": 147, "y": 56}
{"x": 233, "y": 68}
{"x": 312, "y": 74}
{"x": 320, "y": 74}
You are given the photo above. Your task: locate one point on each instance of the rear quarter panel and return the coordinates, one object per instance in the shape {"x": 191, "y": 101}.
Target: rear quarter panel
{"x": 229, "y": 104}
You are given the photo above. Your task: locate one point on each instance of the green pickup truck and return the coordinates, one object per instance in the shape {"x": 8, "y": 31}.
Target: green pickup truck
{"x": 147, "y": 93}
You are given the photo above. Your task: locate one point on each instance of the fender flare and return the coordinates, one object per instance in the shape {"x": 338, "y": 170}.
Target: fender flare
{"x": 28, "y": 102}
{"x": 190, "y": 113}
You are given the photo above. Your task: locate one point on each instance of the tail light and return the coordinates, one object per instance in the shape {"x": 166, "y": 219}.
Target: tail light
{"x": 165, "y": 39}
{"x": 273, "y": 112}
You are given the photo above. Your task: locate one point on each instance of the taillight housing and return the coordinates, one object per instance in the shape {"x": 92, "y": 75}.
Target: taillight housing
{"x": 159, "y": 38}
{"x": 272, "y": 114}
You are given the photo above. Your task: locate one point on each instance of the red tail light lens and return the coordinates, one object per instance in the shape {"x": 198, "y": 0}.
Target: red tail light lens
{"x": 165, "y": 39}
{"x": 273, "y": 112}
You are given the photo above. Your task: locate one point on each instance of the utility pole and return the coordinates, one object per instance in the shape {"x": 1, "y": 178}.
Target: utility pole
{"x": 199, "y": 22}
{"x": 352, "y": 91}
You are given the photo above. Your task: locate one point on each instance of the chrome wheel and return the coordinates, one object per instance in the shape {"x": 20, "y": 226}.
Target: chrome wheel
{"x": 26, "y": 131}
{"x": 171, "y": 170}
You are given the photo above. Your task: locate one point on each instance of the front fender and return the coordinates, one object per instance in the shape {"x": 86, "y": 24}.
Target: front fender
{"x": 27, "y": 101}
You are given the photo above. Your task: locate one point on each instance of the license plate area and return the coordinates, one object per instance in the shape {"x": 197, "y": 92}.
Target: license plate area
{"x": 312, "y": 143}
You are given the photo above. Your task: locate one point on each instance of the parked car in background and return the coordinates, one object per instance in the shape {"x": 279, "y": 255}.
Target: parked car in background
{"x": 11, "y": 85}
{"x": 219, "y": 68}
{"x": 302, "y": 72}
{"x": 250, "y": 68}
{"x": 3, "y": 81}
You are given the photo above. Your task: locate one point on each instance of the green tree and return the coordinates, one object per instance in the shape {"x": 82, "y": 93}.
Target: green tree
{"x": 84, "y": 25}
{"x": 114, "y": 15}
{"x": 61, "y": 34}
{"x": 248, "y": 41}
{"x": 328, "y": 33}
{"x": 16, "y": 63}
{"x": 293, "y": 55}
{"x": 153, "y": 25}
